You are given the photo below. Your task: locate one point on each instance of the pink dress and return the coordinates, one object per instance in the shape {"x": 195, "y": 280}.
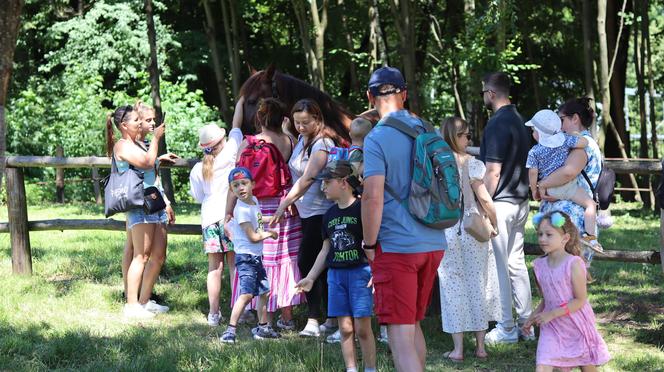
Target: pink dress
{"x": 279, "y": 260}
{"x": 567, "y": 341}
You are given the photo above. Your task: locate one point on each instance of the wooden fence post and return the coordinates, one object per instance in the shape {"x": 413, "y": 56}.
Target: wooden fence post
{"x": 95, "y": 185}
{"x": 60, "y": 178}
{"x": 17, "y": 209}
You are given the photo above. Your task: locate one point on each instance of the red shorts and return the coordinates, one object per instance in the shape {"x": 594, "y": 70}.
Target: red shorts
{"x": 403, "y": 283}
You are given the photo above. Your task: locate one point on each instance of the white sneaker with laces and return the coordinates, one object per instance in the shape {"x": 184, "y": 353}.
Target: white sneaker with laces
{"x": 500, "y": 335}
{"x": 311, "y": 330}
{"x": 214, "y": 319}
{"x": 136, "y": 311}
{"x": 153, "y": 307}
{"x": 334, "y": 338}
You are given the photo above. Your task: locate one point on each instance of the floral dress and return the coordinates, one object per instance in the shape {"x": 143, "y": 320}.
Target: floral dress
{"x": 593, "y": 168}
{"x": 467, "y": 274}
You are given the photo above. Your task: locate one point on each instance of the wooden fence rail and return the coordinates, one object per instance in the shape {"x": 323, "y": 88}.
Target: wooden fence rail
{"x": 19, "y": 227}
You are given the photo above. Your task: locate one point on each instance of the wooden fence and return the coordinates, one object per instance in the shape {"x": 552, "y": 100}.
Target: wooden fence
{"x": 19, "y": 226}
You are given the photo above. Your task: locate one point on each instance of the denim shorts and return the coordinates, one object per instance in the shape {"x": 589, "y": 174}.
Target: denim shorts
{"x": 216, "y": 239}
{"x": 251, "y": 274}
{"x": 138, "y": 215}
{"x": 347, "y": 292}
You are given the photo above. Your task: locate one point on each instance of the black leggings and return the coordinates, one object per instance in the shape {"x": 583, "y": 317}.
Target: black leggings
{"x": 311, "y": 245}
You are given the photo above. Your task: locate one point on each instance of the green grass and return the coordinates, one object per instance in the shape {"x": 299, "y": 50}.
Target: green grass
{"x": 67, "y": 315}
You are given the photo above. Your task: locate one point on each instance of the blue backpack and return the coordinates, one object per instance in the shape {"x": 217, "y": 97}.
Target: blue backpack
{"x": 434, "y": 198}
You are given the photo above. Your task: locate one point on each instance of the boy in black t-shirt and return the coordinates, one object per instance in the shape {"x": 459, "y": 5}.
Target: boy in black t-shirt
{"x": 350, "y": 297}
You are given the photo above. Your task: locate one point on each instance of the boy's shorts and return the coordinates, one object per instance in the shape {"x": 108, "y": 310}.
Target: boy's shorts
{"x": 403, "y": 283}
{"x": 347, "y": 292}
{"x": 216, "y": 239}
{"x": 564, "y": 192}
{"x": 138, "y": 216}
{"x": 251, "y": 274}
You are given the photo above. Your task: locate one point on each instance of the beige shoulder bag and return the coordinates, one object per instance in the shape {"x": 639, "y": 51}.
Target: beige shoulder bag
{"x": 474, "y": 220}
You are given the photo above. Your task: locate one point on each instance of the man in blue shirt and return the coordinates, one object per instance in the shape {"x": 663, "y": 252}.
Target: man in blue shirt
{"x": 405, "y": 253}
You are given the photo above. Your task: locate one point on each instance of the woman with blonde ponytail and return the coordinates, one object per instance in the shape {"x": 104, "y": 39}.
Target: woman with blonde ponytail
{"x": 208, "y": 183}
{"x": 147, "y": 231}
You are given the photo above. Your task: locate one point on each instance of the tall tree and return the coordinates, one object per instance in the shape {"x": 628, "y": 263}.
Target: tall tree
{"x": 153, "y": 69}
{"x": 651, "y": 81}
{"x": 588, "y": 55}
{"x": 210, "y": 33}
{"x": 350, "y": 46}
{"x": 10, "y": 20}
{"x": 231, "y": 34}
{"x": 314, "y": 53}
{"x": 378, "y": 49}
{"x": 404, "y": 21}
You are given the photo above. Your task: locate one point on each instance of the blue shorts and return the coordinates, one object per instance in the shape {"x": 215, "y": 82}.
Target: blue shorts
{"x": 251, "y": 274}
{"x": 347, "y": 292}
{"x": 138, "y": 215}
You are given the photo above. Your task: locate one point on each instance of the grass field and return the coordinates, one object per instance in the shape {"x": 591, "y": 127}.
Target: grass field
{"x": 67, "y": 315}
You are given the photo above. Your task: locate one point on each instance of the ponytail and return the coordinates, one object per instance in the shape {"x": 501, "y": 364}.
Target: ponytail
{"x": 208, "y": 167}
{"x": 110, "y": 137}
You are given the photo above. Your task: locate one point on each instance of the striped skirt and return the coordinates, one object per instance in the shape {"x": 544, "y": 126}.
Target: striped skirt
{"x": 279, "y": 259}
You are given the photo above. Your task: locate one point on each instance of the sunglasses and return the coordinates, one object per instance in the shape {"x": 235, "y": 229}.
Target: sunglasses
{"x": 484, "y": 91}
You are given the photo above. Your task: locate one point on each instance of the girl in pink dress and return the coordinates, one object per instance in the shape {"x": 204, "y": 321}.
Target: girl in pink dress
{"x": 568, "y": 337}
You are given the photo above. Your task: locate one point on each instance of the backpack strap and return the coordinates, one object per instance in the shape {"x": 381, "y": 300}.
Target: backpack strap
{"x": 406, "y": 129}
{"x": 592, "y": 189}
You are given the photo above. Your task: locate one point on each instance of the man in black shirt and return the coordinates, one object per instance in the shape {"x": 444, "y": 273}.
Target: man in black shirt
{"x": 504, "y": 150}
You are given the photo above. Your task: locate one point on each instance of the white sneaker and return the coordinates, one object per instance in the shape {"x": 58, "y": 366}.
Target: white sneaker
{"x": 327, "y": 328}
{"x": 153, "y": 307}
{"x": 311, "y": 330}
{"x": 334, "y": 338}
{"x": 382, "y": 338}
{"x": 214, "y": 319}
{"x": 136, "y": 311}
{"x": 528, "y": 337}
{"x": 286, "y": 325}
{"x": 499, "y": 335}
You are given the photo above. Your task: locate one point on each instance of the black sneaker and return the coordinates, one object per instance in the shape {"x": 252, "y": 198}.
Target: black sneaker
{"x": 263, "y": 333}
{"x": 227, "y": 337}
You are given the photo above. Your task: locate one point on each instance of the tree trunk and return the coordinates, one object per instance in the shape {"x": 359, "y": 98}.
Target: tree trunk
{"x": 405, "y": 26}
{"x": 352, "y": 68}
{"x": 10, "y": 21}
{"x": 376, "y": 40}
{"x": 153, "y": 69}
{"x": 309, "y": 52}
{"x": 651, "y": 80}
{"x": 604, "y": 84}
{"x": 588, "y": 54}
{"x": 59, "y": 178}
{"x": 533, "y": 73}
{"x": 641, "y": 93}
{"x": 320, "y": 24}
{"x": 210, "y": 33}
{"x": 230, "y": 32}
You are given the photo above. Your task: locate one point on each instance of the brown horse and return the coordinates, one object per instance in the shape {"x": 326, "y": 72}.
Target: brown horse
{"x": 288, "y": 89}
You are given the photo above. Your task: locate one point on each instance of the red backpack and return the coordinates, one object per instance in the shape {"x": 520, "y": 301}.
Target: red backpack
{"x": 267, "y": 166}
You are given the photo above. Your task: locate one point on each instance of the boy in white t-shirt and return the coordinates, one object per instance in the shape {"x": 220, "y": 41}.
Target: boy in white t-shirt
{"x": 248, "y": 236}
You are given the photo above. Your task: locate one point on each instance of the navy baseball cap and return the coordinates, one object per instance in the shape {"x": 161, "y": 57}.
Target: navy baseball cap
{"x": 383, "y": 76}
{"x": 239, "y": 173}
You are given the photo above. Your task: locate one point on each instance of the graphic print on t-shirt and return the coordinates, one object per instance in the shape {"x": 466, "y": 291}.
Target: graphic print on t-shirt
{"x": 344, "y": 229}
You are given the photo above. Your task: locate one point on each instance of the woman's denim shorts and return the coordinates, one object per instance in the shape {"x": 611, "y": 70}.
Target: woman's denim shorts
{"x": 138, "y": 215}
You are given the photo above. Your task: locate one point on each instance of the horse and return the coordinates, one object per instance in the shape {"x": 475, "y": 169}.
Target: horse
{"x": 288, "y": 89}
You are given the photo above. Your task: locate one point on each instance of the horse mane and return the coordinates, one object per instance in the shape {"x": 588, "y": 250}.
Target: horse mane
{"x": 292, "y": 89}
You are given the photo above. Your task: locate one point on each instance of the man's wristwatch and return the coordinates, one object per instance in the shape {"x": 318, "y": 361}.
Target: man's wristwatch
{"x": 370, "y": 246}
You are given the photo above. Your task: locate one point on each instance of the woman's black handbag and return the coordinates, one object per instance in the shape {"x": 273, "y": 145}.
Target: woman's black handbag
{"x": 154, "y": 201}
{"x": 123, "y": 191}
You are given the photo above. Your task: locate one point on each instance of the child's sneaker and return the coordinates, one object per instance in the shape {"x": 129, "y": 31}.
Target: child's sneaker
{"x": 591, "y": 242}
{"x": 214, "y": 319}
{"x": 382, "y": 338}
{"x": 247, "y": 317}
{"x": 604, "y": 219}
{"x": 334, "y": 338}
{"x": 153, "y": 307}
{"x": 228, "y": 337}
{"x": 327, "y": 328}
{"x": 286, "y": 325}
{"x": 527, "y": 337}
{"x": 137, "y": 311}
{"x": 263, "y": 333}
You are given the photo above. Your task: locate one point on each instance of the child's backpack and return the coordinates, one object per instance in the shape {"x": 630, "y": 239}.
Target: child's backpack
{"x": 267, "y": 167}
{"x": 434, "y": 198}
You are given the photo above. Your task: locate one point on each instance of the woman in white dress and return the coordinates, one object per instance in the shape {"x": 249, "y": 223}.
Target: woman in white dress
{"x": 467, "y": 304}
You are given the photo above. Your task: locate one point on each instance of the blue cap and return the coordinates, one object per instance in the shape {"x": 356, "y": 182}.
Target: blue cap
{"x": 386, "y": 75}
{"x": 239, "y": 173}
